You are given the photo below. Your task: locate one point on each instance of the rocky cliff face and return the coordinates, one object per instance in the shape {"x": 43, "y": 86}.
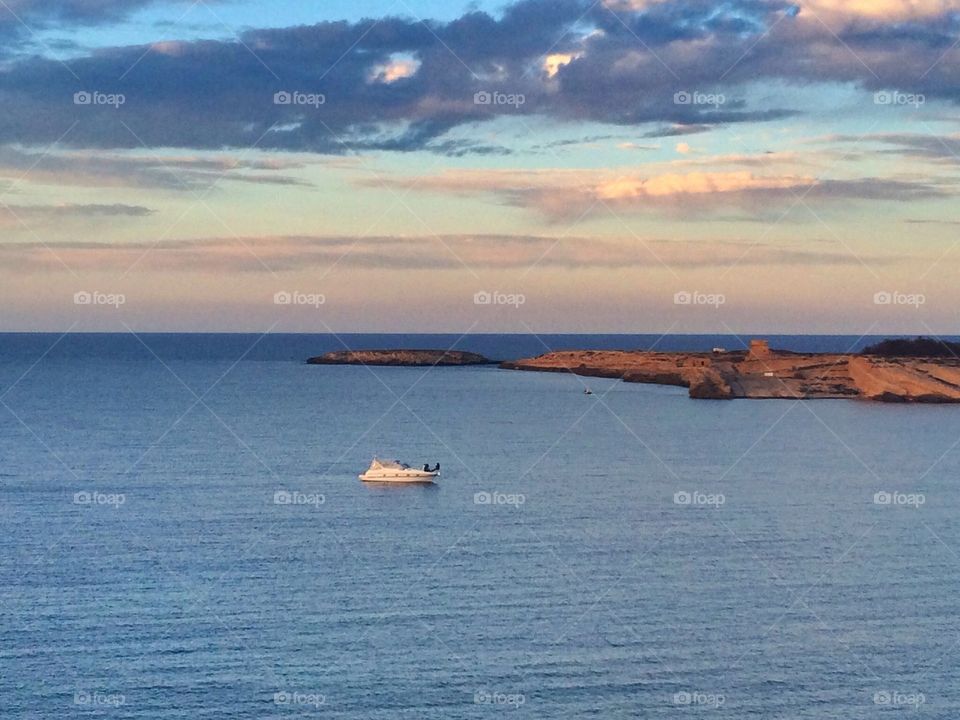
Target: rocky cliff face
{"x": 768, "y": 374}
{"x": 413, "y": 358}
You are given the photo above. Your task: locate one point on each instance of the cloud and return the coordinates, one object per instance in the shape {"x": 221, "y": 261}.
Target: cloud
{"x": 553, "y": 62}
{"x": 75, "y": 210}
{"x": 917, "y": 221}
{"x": 560, "y": 194}
{"x": 674, "y": 130}
{"x": 35, "y": 216}
{"x": 172, "y": 172}
{"x": 568, "y": 142}
{"x": 936, "y": 148}
{"x": 21, "y": 21}
{"x": 400, "y": 84}
{"x": 695, "y": 183}
{"x": 636, "y": 146}
{"x": 447, "y": 252}
{"x": 387, "y": 84}
{"x": 880, "y": 10}
{"x": 397, "y": 67}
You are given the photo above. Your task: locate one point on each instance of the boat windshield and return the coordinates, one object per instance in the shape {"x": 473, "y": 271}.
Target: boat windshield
{"x": 378, "y": 464}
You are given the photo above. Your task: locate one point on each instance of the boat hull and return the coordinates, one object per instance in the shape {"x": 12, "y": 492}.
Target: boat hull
{"x": 409, "y": 477}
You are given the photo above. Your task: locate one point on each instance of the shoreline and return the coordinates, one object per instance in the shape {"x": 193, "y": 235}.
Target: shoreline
{"x": 914, "y": 375}
{"x": 761, "y": 373}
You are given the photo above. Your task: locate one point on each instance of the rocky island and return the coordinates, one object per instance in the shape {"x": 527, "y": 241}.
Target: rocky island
{"x": 408, "y": 358}
{"x": 762, "y": 373}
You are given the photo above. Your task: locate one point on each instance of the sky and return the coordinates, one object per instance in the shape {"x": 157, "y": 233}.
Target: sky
{"x": 650, "y": 166}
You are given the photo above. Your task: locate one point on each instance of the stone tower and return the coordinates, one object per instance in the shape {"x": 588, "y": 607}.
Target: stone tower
{"x": 759, "y": 349}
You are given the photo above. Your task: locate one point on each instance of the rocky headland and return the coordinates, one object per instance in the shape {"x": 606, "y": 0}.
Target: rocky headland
{"x": 409, "y": 358}
{"x": 762, "y": 373}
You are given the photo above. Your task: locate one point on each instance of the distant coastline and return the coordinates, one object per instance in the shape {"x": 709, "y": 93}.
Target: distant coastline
{"x": 923, "y": 371}
{"x": 762, "y": 373}
{"x": 401, "y": 357}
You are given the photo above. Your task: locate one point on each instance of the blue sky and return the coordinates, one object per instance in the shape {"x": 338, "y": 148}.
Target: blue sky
{"x": 599, "y": 158}
{"x": 189, "y": 20}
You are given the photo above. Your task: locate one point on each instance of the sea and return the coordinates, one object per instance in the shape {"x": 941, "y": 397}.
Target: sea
{"x": 184, "y": 536}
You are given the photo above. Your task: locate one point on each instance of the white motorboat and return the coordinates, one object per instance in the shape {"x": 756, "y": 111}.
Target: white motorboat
{"x": 394, "y": 471}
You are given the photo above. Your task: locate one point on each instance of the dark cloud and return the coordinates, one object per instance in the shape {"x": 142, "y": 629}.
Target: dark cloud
{"x": 937, "y": 148}
{"x": 78, "y": 210}
{"x": 75, "y": 11}
{"x": 677, "y": 130}
{"x": 21, "y": 21}
{"x": 949, "y": 223}
{"x": 144, "y": 170}
{"x": 878, "y": 189}
{"x": 55, "y": 216}
{"x": 612, "y": 64}
{"x": 462, "y": 148}
{"x": 568, "y": 142}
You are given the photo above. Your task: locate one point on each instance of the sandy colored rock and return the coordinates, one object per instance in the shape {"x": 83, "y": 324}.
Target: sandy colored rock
{"x": 762, "y": 373}
{"x": 413, "y": 358}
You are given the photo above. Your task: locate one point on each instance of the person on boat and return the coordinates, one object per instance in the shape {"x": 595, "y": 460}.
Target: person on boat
{"x": 437, "y": 468}
{"x": 426, "y": 467}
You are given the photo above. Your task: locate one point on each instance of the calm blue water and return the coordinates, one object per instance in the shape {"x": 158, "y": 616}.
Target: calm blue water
{"x": 152, "y": 567}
